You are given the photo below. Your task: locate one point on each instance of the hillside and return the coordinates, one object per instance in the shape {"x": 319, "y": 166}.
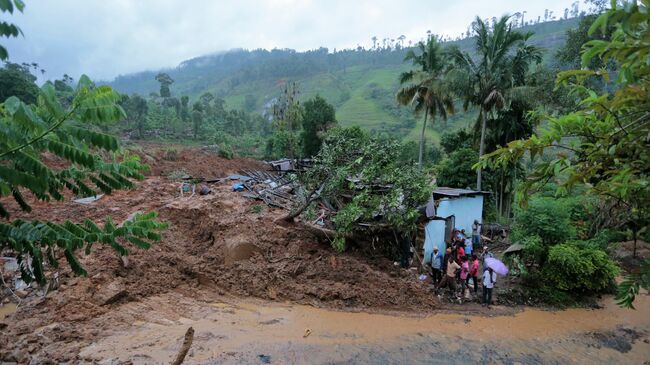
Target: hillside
{"x": 359, "y": 83}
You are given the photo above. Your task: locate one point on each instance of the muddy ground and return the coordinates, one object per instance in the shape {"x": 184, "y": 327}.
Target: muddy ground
{"x": 217, "y": 246}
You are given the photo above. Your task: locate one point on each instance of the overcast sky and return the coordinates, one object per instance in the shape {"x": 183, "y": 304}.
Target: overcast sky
{"x": 107, "y": 38}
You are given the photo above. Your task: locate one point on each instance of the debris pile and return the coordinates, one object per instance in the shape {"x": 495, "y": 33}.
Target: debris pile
{"x": 217, "y": 246}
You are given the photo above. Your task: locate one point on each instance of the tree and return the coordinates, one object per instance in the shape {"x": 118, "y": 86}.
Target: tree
{"x": 456, "y": 170}
{"x": 136, "y": 111}
{"x": 17, "y": 80}
{"x": 185, "y": 113}
{"x": 425, "y": 87}
{"x": 604, "y": 144}
{"x": 571, "y": 52}
{"x": 319, "y": 116}
{"x": 367, "y": 168}
{"x": 374, "y": 42}
{"x": 26, "y": 132}
{"x": 503, "y": 60}
{"x": 197, "y": 118}
{"x": 165, "y": 81}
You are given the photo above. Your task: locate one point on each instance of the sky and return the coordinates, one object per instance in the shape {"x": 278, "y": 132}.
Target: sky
{"x": 104, "y": 39}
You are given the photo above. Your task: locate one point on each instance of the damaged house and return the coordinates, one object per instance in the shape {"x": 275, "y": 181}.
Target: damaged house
{"x": 447, "y": 209}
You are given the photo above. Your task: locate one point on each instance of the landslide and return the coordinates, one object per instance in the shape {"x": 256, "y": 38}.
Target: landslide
{"x": 216, "y": 245}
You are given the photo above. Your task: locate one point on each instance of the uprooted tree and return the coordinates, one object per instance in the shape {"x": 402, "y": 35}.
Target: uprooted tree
{"x": 362, "y": 178}
{"x": 605, "y": 144}
{"x": 27, "y": 131}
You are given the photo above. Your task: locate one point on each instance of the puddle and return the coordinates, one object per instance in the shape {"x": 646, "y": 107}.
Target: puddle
{"x": 243, "y": 333}
{"x": 7, "y": 309}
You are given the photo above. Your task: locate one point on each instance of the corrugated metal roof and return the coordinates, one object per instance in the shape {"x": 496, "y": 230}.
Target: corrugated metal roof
{"x": 456, "y": 192}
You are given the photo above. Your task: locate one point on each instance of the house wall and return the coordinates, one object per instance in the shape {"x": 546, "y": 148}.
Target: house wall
{"x": 464, "y": 209}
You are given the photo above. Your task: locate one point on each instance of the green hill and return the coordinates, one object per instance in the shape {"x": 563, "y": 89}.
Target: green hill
{"x": 361, "y": 84}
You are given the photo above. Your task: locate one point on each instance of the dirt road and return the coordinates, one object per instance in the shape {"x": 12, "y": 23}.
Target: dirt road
{"x": 259, "y": 332}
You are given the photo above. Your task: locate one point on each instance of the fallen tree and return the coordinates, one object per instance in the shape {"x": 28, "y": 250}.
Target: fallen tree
{"x": 364, "y": 182}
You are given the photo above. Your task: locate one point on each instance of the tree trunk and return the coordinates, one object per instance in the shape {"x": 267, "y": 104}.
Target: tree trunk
{"x": 481, "y": 148}
{"x": 424, "y": 126}
{"x": 313, "y": 195}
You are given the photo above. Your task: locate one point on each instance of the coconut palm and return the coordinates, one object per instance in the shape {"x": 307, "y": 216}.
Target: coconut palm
{"x": 497, "y": 73}
{"x": 424, "y": 87}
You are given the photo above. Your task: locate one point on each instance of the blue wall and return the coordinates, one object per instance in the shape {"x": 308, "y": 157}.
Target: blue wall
{"x": 465, "y": 210}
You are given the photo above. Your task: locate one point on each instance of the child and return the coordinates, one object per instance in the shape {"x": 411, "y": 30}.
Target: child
{"x": 464, "y": 274}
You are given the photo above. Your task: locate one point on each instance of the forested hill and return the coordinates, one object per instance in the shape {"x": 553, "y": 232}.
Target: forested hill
{"x": 361, "y": 84}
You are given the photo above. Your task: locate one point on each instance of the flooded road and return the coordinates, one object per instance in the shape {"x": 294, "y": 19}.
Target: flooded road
{"x": 266, "y": 333}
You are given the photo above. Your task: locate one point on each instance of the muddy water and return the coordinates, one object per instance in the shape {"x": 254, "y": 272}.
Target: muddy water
{"x": 258, "y": 333}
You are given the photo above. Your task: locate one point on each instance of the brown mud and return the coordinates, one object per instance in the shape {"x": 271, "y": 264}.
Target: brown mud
{"x": 239, "y": 332}
{"x": 216, "y": 245}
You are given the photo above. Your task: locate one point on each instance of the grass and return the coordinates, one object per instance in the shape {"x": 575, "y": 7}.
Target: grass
{"x": 347, "y": 89}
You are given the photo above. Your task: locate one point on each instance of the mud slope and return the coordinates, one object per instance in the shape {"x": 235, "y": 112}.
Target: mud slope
{"x": 216, "y": 246}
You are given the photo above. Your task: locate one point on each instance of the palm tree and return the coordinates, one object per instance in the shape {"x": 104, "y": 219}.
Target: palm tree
{"x": 503, "y": 58}
{"x": 425, "y": 87}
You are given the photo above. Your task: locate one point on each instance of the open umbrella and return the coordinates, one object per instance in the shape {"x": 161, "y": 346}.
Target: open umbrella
{"x": 496, "y": 265}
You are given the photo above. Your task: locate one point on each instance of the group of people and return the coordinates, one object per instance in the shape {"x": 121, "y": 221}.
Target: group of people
{"x": 460, "y": 266}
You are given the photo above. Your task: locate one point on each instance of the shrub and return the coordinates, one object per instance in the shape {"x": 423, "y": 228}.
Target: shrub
{"x": 579, "y": 267}
{"x": 548, "y": 218}
{"x": 225, "y": 151}
{"x": 171, "y": 154}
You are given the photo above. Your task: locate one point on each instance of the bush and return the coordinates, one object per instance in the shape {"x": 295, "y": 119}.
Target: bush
{"x": 548, "y": 218}
{"x": 225, "y": 151}
{"x": 579, "y": 268}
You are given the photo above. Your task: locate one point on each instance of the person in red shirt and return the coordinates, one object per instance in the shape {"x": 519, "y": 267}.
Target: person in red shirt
{"x": 460, "y": 252}
{"x": 473, "y": 272}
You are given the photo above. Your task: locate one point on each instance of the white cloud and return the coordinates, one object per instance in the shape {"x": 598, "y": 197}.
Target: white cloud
{"x": 107, "y": 38}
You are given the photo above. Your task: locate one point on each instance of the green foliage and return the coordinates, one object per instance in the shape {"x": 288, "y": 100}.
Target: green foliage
{"x": 547, "y": 218}
{"x": 26, "y": 131}
{"x": 136, "y": 109}
{"x": 318, "y": 117}
{"x": 363, "y": 176}
{"x": 630, "y": 286}
{"x": 424, "y": 88}
{"x": 456, "y": 170}
{"x": 453, "y": 141}
{"x": 497, "y": 75}
{"x": 165, "y": 81}
{"x": 570, "y": 267}
{"x": 226, "y": 151}
{"x": 604, "y": 144}
{"x": 17, "y": 80}
{"x": 8, "y": 29}
{"x": 40, "y": 241}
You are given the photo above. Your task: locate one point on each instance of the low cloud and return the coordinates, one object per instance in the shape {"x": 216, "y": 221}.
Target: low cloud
{"x": 107, "y": 38}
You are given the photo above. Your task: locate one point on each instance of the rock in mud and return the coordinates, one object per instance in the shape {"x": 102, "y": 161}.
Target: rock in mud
{"x": 237, "y": 249}
{"x": 111, "y": 293}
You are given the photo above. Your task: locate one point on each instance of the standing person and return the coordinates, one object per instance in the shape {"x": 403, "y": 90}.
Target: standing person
{"x": 464, "y": 274}
{"x": 469, "y": 247}
{"x": 445, "y": 259}
{"x": 476, "y": 234}
{"x": 460, "y": 252}
{"x": 473, "y": 272}
{"x": 489, "y": 278}
{"x": 449, "y": 280}
{"x": 436, "y": 265}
